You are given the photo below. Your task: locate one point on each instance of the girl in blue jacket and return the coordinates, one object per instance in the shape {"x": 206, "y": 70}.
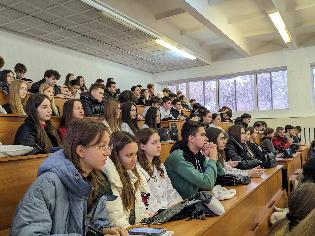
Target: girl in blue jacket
{"x": 69, "y": 195}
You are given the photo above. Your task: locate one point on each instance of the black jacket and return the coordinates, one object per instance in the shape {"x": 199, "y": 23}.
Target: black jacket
{"x": 4, "y": 87}
{"x": 7, "y": 107}
{"x": 257, "y": 150}
{"x": 236, "y": 152}
{"x": 175, "y": 113}
{"x": 109, "y": 96}
{"x": 91, "y": 106}
{"x": 267, "y": 145}
{"x": 238, "y": 121}
{"x": 27, "y": 135}
{"x": 36, "y": 85}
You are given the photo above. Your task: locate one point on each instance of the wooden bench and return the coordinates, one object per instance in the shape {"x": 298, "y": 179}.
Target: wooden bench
{"x": 16, "y": 175}
{"x": 247, "y": 213}
{"x": 225, "y": 125}
{"x": 3, "y": 98}
{"x": 166, "y": 150}
{"x": 140, "y": 109}
{"x": 10, "y": 123}
{"x": 59, "y": 102}
{"x": 186, "y": 113}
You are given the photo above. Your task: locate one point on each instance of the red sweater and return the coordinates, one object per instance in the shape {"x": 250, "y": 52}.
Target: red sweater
{"x": 62, "y": 132}
{"x": 280, "y": 143}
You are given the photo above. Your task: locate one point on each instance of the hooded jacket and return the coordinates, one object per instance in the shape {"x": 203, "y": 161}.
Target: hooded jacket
{"x": 190, "y": 173}
{"x": 117, "y": 214}
{"x": 236, "y": 152}
{"x": 91, "y": 106}
{"x": 56, "y": 203}
{"x": 36, "y": 85}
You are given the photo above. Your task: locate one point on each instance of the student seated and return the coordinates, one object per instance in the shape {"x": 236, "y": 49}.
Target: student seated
{"x": 127, "y": 183}
{"x": 112, "y": 116}
{"x": 83, "y": 87}
{"x": 17, "y": 98}
{"x": 216, "y": 121}
{"x": 151, "y": 89}
{"x": 50, "y": 78}
{"x": 253, "y": 146}
{"x": 206, "y": 118}
{"x": 226, "y": 114}
{"x": 126, "y": 96}
{"x": 163, "y": 195}
{"x": 290, "y": 133}
{"x": 185, "y": 103}
{"x": 74, "y": 88}
{"x": 37, "y": 130}
{"x": 244, "y": 120}
{"x": 218, "y": 137}
{"x": 110, "y": 91}
{"x": 92, "y": 101}
{"x": 165, "y": 109}
{"x": 236, "y": 151}
{"x": 70, "y": 192}
{"x": 154, "y": 102}
{"x": 69, "y": 77}
{"x": 6, "y": 79}
{"x": 144, "y": 98}
{"x": 72, "y": 110}
{"x": 48, "y": 90}
{"x": 136, "y": 93}
{"x": 259, "y": 127}
{"x": 129, "y": 118}
{"x": 266, "y": 141}
{"x": 192, "y": 165}
{"x": 311, "y": 152}
{"x": 20, "y": 70}
{"x": 280, "y": 142}
{"x": 298, "y": 130}
{"x": 300, "y": 204}
{"x": 152, "y": 118}
{"x": 177, "y": 110}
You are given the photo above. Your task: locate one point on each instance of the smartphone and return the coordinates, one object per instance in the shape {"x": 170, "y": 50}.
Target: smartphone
{"x": 147, "y": 231}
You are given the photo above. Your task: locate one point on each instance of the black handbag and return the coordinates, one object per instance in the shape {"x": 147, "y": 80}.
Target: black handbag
{"x": 173, "y": 131}
{"x": 287, "y": 153}
{"x": 269, "y": 160}
{"x": 232, "y": 180}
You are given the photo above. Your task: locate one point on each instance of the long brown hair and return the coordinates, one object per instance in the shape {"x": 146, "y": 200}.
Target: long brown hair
{"x": 212, "y": 134}
{"x": 42, "y": 88}
{"x": 83, "y": 132}
{"x": 110, "y": 114}
{"x": 144, "y": 135}
{"x": 67, "y": 115}
{"x": 301, "y": 203}
{"x": 32, "y": 104}
{"x": 119, "y": 140}
{"x": 17, "y": 104}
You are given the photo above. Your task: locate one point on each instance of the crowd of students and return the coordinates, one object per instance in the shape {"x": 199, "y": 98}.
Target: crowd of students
{"x": 108, "y": 175}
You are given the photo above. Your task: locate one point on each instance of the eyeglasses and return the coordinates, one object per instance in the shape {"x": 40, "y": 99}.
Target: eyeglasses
{"x": 104, "y": 147}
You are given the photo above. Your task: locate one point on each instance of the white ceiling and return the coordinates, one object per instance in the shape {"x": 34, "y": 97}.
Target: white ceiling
{"x": 212, "y": 30}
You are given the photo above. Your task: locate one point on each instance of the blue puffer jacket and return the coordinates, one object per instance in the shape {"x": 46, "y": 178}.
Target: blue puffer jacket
{"x": 56, "y": 203}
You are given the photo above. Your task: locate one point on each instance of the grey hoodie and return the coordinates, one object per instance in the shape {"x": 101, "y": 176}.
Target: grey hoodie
{"x": 56, "y": 203}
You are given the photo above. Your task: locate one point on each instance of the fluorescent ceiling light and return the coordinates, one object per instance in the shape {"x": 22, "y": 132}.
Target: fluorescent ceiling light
{"x": 279, "y": 24}
{"x": 175, "y": 49}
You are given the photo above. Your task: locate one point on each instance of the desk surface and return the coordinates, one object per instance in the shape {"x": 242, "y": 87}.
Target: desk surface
{"x": 198, "y": 227}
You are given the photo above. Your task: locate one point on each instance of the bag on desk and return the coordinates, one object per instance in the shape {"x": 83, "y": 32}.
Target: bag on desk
{"x": 232, "y": 180}
{"x": 287, "y": 153}
{"x": 199, "y": 206}
{"x": 269, "y": 160}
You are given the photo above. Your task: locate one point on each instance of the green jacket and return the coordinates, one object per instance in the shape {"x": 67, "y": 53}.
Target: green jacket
{"x": 186, "y": 179}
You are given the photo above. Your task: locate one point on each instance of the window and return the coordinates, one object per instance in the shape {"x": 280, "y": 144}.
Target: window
{"x": 182, "y": 88}
{"x": 196, "y": 91}
{"x": 313, "y": 70}
{"x": 262, "y": 91}
{"x": 245, "y": 93}
{"x": 211, "y": 95}
{"x": 227, "y": 93}
{"x": 172, "y": 88}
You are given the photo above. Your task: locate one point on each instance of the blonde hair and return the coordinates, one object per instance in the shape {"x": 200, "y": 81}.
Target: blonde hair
{"x": 42, "y": 88}
{"x": 17, "y": 104}
{"x": 110, "y": 115}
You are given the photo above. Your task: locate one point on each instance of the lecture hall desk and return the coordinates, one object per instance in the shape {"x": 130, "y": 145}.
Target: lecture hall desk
{"x": 247, "y": 213}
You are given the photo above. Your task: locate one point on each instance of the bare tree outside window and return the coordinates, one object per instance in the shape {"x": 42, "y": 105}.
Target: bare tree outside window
{"x": 245, "y": 92}
{"x": 196, "y": 91}
{"x": 211, "y": 95}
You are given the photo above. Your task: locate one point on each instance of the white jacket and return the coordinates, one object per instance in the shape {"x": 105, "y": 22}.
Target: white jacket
{"x": 118, "y": 216}
{"x": 163, "y": 195}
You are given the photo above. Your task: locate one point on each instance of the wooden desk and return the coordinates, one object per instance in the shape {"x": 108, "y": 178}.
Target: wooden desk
{"x": 246, "y": 214}
{"x": 10, "y": 123}
{"x": 140, "y": 123}
{"x": 140, "y": 109}
{"x": 179, "y": 124}
{"x": 16, "y": 175}
{"x": 304, "y": 154}
{"x": 225, "y": 125}
{"x": 186, "y": 113}
{"x": 290, "y": 165}
{"x": 165, "y": 150}
{"x": 59, "y": 102}
{"x": 258, "y": 139}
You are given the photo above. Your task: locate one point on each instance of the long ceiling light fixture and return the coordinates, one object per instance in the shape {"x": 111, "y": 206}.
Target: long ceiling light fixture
{"x": 125, "y": 20}
{"x": 281, "y": 27}
{"x": 175, "y": 49}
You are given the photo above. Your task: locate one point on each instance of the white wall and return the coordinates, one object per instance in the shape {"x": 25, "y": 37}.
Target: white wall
{"x": 300, "y": 81}
{"x": 39, "y": 56}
